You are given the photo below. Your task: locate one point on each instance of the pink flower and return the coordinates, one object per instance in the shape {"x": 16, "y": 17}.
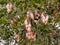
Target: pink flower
{"x": 27, "y": 25}
{"x": 30, "y": 14}
{"x": 9, "y": 7}
{"x": 25, "y": 22}
{"x": 28, "y": 35}
{"x": 36, "y": 21}
{"x": 31, "y": 35}
{"x": 44, "y": 18}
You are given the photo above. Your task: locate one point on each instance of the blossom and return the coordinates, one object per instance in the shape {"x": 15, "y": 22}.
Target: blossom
{"x": 36, "y": 21}
{"x": 30, "y": 14}
{"x": 44, "y": 18}
{"x": 25, "y": 22}
{"x": 28, "y": 35}
{"x": 31, "y": 35}
{"x": 27, "y": 25}
{"x": 9, "y": 7}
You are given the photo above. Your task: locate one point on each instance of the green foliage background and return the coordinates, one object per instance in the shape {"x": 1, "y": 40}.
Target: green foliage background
{"x": 45, "y": 33}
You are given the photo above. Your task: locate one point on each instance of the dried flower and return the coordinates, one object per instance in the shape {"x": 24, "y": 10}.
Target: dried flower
{"x": 17, "y": 37}
{"x": 12, "y": 23}
{"x": 14, "y": 20}
{"x": 9, "y": 7}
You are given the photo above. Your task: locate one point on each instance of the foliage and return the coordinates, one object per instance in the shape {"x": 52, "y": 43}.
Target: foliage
{"x": 46, "y": 34}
